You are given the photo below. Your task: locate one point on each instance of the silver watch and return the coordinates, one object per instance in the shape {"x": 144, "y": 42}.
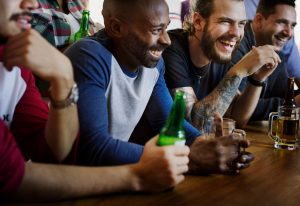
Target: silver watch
{"x": 71, "y": 99}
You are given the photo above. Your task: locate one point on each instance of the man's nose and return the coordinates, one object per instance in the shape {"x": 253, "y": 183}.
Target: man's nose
{"x": 29, "y": 4}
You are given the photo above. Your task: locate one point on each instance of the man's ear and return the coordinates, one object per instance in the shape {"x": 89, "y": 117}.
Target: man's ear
{"x": 259, "y": 20}
{"x": 198, "y": 21}
{"x": 117, "y": 28}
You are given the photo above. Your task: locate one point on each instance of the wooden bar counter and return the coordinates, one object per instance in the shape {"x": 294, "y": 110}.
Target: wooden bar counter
{"x": 273, "y": 179}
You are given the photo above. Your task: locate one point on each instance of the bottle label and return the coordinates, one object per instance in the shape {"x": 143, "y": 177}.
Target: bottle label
{"x": 180, "y": 143}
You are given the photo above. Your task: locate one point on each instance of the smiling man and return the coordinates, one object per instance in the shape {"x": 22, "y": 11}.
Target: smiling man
{"x": 273, "y": 24}
{"x": 120, "y": 76}
{"x": 193, "y": 61}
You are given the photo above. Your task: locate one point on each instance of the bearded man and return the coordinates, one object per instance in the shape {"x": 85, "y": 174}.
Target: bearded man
{"x": 196, "y": 62}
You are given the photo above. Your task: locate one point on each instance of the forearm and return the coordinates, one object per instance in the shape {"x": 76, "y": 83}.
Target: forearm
{"x": 43, "y": 182}
{"x": 61, "y": 130}
{"x": 220, "y": 99}
{"x": 245, "y": 104}
{"x": 63, "y": 124}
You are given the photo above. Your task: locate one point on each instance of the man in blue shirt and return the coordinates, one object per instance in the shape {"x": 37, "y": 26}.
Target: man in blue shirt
{"x": 273, "y": 24}
{"x": 120, "y": 76}
{"x": 290, "y": 50}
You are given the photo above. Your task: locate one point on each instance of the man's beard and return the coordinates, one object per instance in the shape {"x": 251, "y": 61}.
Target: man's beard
{"x": 140, "y": 50}
{"x": 207, "y": 45}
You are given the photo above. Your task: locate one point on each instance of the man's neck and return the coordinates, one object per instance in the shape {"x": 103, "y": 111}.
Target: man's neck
{"x": 197, "y": 55}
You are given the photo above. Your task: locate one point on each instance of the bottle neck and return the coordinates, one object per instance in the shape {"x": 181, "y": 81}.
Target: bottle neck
{"x": 289, "y": 100}
{"x": 176, "y": 118}
{"x": 84, "y": 25}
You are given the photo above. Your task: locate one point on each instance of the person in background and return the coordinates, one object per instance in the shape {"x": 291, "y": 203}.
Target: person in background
{"x": 273, "y": 24}
{"x": 57, "y": 20}
{"x": 290, "y": 49}
{"x": 194, "y": 62}
{"x": 120, "y": 76}
{"x": 29, "y": 130}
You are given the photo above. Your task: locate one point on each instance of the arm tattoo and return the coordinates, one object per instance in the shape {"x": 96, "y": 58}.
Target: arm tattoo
{"x": 217, "y": 101}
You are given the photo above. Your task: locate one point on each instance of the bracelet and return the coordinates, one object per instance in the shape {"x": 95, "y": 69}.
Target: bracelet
{"x": 256, "y": 82}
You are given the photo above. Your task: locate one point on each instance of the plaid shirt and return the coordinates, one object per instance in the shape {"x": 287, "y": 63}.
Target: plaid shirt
{"x": 51, "y": 23}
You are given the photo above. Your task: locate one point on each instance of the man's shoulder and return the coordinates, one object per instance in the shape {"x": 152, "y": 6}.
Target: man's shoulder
{"x": 91, "y": 47}
{"x": 178, "y": 36}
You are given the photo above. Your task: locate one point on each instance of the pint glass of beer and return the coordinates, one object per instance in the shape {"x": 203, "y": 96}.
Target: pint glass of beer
{"x": 287, "y": 126}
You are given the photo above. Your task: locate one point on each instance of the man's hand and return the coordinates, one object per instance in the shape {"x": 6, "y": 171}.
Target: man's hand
{"x": 30, "y": 50}
{"x": 219, "y": 155}
{"x": 259, "y": 58}
{"x": 160, "y": 168}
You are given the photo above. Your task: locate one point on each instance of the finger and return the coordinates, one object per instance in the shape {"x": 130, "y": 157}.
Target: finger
{"x": 15, "y": 61}
{"x": 246, "y": 157}
{"x": 244, "y": 143}
{"x": 181, "y": 169}
{"x": 218, "y": 122}
{"x": 10, "y": 53}
{"x": 240, "y": 166}
{"x": 179, "y": 179}
{"x": 180, "y": 150}
{"x": 153, "y": 141}
{"x": 232, "y": 169}
{"x": 182, "y": 160}
{"x": 16, "y": 42}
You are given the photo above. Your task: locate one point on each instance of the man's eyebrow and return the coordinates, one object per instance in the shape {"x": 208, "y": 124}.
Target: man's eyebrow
{"x": 231, "y": 20}
{"x": 160, "y": 25}
{"x": 286, "y": 21}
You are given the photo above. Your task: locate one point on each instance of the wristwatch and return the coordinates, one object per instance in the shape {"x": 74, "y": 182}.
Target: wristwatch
{"x": 71, "y": 99}
{"x": 256, "y": 82}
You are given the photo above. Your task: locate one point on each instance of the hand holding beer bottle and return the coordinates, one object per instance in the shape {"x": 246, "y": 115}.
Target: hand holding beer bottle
{"x": 173, "y": 133}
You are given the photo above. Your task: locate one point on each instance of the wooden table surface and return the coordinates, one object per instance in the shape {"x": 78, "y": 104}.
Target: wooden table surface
{"x": 273, "y": 179}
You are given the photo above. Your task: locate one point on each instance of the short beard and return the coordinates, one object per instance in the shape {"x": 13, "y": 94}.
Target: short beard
{"x": 207, "y": 46}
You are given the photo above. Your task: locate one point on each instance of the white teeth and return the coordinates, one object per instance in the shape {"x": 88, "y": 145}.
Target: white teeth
{"x": 155, "y": 53}
{"x": 228, "y": 43}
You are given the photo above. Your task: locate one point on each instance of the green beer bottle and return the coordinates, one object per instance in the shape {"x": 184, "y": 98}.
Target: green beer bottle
{"x": 84, "y": 30}
{"x": 173, "y": 133}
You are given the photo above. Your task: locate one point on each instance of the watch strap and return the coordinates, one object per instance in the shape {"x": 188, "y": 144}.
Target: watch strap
{"x": 69, "y": 101}
{"x": 256, "y": 82}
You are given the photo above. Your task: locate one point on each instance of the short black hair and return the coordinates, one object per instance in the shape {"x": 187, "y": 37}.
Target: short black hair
{"x": 268, "y": 7}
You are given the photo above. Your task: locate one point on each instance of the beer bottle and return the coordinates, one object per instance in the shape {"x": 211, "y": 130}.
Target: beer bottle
{"x": 84, "y": 27}
{"x": 173, "y": 133}
{"x": 289, "y": 100}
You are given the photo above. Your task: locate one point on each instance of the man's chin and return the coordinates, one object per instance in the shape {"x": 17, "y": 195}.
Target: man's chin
{"x": 151, "y": 64}
{"x": 222, "y": 59}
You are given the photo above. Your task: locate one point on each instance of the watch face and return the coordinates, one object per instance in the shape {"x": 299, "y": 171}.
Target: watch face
{"x": 74, "y": 94}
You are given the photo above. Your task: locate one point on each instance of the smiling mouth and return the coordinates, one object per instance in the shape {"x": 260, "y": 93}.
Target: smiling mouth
{"x": 282, "y": 40}
{"x": 156, "y": 53}
{"x": 228, "y": 43}
{"x": 22, "y": 19}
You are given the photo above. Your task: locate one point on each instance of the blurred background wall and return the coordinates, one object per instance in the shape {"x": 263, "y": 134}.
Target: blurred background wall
{"x": 95, "y": 7}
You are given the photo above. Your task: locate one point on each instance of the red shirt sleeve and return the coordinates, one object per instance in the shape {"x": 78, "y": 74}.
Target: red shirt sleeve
{"x": 12, "y": 164}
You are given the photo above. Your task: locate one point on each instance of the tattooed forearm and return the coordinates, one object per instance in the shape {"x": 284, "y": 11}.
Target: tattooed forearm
{"x": 217, "y": 101}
